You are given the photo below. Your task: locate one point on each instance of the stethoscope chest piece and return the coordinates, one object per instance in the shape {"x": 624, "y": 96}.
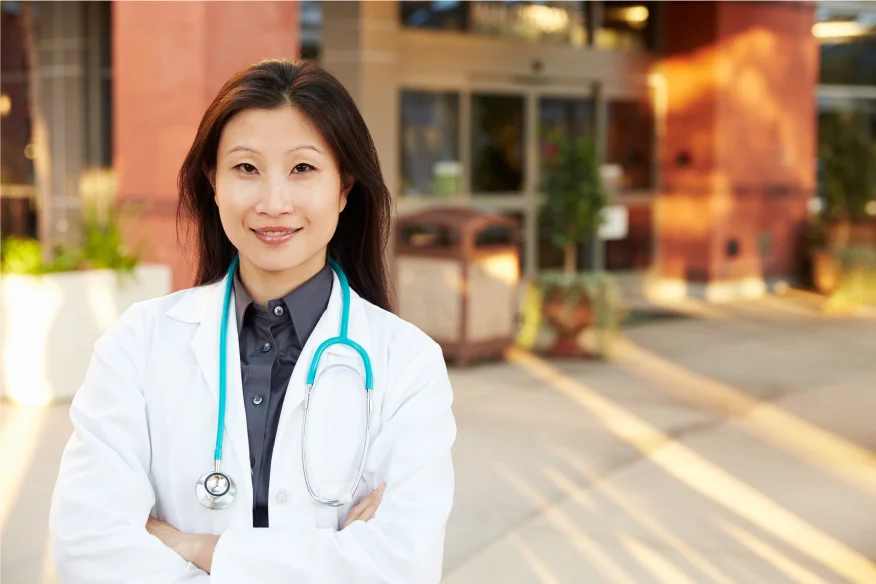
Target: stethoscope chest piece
{"x": 216, "y": 490}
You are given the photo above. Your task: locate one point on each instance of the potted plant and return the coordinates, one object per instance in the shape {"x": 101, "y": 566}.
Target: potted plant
{"x": 572, "y": 213}
{"x": 53, "y": 311}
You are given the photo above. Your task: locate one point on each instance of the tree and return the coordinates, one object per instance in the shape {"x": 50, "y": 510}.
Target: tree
{"x": 848, "y": 165}
{"x": 575, "y": 197}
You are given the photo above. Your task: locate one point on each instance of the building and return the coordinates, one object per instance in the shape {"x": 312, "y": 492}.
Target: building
{"x": 708, "y": 109}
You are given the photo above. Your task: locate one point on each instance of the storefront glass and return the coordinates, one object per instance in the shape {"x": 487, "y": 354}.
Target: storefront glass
{"x": 429, "y": 142}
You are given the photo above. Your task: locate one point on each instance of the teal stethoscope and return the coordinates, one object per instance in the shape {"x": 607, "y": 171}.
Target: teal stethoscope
{"x": 216, "y": 490}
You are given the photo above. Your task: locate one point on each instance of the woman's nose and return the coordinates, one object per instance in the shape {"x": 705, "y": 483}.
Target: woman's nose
{"x": 275, "y": 199}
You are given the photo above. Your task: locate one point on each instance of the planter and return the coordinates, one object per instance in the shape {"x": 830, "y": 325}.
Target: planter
{"x": 568, "y": 320}
{"x": 50, "y": 323}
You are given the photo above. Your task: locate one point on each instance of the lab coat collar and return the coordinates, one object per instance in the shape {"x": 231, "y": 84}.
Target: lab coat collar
{"x": 203, "y": 306}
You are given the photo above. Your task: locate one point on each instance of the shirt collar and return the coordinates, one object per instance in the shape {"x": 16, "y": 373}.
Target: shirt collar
{"x": 305, "y": 304}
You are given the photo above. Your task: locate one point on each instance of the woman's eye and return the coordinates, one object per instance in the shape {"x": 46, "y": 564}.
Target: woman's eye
{"x": 303, "y": 167}
{"x": 246, "y": 168}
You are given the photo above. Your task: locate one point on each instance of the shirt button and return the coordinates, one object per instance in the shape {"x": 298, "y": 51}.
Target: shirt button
{"x": 278, "y": 311}
{"x": 281, "y": 496}
{"x": 257, "y": 400}
{"x": 266, "y": 347}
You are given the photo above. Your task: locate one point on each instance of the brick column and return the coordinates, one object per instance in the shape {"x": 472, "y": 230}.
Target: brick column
{"x": 738, "y": 154}
{"x": 169, "y": 60}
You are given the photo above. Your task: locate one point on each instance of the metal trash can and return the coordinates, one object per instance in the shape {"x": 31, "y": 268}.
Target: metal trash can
{"x": 458, "y": 272}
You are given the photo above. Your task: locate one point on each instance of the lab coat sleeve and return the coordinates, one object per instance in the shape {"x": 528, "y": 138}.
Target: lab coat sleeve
{"x": 404, "y": 542}
{"x": 103, "y": 495}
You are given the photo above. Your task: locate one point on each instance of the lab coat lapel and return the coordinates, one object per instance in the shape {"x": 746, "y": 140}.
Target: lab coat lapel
{"x": 328, "y": 327}
{"x": 205, "y": 345}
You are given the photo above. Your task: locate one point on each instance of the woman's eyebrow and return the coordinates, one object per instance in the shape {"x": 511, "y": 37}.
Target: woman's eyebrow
{"x": 244, "y": 148}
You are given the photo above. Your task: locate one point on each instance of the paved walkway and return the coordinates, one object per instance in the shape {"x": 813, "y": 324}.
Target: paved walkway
{"x": 733, "y": 446}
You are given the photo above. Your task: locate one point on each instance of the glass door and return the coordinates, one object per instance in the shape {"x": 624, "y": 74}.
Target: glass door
{"x": 498, "y": 143}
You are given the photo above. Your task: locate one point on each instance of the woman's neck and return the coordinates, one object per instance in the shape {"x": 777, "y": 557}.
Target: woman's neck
{"x": 264, "y": 286}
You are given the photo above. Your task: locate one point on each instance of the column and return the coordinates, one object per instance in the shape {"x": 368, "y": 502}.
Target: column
{"x": 738, "y": 155}
{"x": 360, "y": 48}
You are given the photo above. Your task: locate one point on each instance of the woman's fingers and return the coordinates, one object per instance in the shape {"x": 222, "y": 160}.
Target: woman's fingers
{"x": 366, "y": 508}
{"x": 368, "y": 513}
{"x": 357, "y": 510}
{"x": 374, "y": 500}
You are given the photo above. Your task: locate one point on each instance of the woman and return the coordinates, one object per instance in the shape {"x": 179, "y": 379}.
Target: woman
{"x": 283, "y": 189}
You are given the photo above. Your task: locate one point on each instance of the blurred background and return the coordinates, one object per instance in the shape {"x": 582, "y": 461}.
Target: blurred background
{"x": 644, "y": 234}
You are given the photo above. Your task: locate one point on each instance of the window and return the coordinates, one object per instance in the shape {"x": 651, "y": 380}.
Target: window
{"x": 621, "y": 25}
{"x": 627, "y": 26}
{"x": 17, "y": 212}
{"x": 98, "y": 85}
{"x": 573, "y": 117}
{"x": 430, "y": 162}
{"x": 560, "y": 22}
{"x": 630, "y": 142}
{"x": 433, "y": 15}
{"x": 16, "y": 165}
{"x": 848, "y": 46}
{"x": 544, "y": 21}
{"x": 831, "y": 106}
{"x": 497, "y": 136}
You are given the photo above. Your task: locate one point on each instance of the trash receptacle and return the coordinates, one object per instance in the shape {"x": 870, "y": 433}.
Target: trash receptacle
{"x": 458, "y": 276}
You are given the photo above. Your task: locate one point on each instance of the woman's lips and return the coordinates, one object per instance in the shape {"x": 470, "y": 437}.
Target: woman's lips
{"x": 275, "y": 235}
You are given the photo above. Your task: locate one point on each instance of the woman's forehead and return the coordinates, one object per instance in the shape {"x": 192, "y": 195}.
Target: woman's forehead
{"x": 270, "y": 130}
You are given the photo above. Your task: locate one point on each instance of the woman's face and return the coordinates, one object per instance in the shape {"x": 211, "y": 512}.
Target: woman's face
{"x": 279, "y": 190}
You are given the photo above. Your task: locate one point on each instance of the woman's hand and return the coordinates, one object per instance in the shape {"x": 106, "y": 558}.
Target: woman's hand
{"x": 366, "y": 508}
{"x": 195, "y": 548}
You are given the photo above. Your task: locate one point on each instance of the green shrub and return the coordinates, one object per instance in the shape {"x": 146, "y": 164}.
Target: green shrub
{"x": 102, "y": 249}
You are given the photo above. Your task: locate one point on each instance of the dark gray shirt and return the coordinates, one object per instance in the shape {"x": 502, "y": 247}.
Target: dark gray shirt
{"x": 270, "y": 342}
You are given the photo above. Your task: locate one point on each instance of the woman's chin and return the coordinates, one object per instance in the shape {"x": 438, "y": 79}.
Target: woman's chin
{"x": 272, "y": 261}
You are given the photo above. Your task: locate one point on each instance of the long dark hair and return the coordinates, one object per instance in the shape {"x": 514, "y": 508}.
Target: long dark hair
{"x": 359, "y": 243}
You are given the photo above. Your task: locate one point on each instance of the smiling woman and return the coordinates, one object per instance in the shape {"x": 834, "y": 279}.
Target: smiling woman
{"x": 284, "y": 343}
{"x": 272, "y": 147}
{"x": 268, "y": 195}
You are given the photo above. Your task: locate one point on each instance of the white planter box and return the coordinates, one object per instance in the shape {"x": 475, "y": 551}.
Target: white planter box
{"x": 50, "y": 323}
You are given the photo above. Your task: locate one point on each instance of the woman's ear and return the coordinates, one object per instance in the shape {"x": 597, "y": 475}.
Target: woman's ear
{"x": 210, "y": 173}
{"x": 346, "y": 187}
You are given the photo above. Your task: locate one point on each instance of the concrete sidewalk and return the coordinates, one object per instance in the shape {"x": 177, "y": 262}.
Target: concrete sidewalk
{"x": 732, "y": 446}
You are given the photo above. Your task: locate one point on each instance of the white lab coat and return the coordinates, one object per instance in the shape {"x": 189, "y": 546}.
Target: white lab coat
{"x": 144, "y": 431}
